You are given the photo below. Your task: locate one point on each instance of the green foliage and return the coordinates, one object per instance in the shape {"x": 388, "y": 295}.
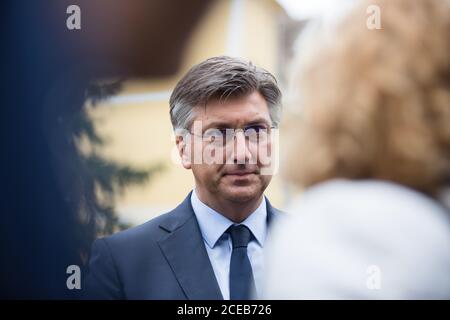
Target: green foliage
{"x": 104, "y": 179}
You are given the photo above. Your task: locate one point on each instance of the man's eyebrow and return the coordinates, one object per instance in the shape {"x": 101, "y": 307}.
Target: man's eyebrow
{"x": 218, "y": 124}
{"x": 258, "y": 121}
{"x": 224, "y": 124}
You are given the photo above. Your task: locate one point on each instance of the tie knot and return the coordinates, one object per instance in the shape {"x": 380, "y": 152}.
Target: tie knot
{"x": 240, "y": 236}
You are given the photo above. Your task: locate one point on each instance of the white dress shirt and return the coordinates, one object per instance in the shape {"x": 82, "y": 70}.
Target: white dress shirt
{"x": 218, "y": 243}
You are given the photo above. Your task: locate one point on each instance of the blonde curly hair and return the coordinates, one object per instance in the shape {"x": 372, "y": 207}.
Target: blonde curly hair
{"x": 376, "y": 103}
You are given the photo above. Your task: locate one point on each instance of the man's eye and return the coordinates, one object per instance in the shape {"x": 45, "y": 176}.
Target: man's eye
{"x": 255, "y": 128}
{"x": 214, "y": 134}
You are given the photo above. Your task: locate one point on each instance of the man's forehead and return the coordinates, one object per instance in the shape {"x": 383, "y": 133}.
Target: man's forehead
{"x": 251, "y": 108}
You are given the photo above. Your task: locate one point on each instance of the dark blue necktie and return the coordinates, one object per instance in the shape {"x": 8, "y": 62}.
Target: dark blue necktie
{"x": 242, "y": 284}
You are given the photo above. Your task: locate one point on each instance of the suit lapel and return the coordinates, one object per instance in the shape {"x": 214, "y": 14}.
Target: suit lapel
{"x": 185, "y": 251}
{"x": 273, "y": 214}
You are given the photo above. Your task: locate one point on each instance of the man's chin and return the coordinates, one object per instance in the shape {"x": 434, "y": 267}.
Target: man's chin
{"x": 241, "y": 193}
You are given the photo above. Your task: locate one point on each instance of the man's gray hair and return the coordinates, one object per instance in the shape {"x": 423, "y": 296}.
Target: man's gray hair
{"x": 221, "y": 78}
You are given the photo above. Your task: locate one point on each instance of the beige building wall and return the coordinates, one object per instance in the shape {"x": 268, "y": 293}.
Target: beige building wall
{"x": 136, "y": 123}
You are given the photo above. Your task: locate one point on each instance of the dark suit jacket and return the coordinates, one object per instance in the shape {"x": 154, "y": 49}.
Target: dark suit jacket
{"x": 164, "y": 258}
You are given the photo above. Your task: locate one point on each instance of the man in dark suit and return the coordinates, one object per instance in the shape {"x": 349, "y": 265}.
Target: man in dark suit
{"x": 224, "y": 112}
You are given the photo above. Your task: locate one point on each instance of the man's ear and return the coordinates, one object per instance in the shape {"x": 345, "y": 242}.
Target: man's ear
{"x": 184, "y": 151}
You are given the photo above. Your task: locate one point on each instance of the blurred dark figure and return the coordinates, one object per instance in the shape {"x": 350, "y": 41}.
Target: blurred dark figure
{"x": 47, "y": 222}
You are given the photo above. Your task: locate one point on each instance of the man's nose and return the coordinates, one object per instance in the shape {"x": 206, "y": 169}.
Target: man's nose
{"x": 241, "y": 152}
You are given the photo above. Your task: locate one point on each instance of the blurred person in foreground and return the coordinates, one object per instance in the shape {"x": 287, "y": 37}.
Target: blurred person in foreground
{"x": 211, "y": 246}
{"x": 49, "y": 213}
{"x": 373, "y": 157}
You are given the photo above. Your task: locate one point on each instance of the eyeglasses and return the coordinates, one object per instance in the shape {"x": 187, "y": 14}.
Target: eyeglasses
{"x": 221, "y": 136}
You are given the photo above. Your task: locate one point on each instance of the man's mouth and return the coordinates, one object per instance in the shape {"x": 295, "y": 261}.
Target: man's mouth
{"x": 240, "y": 173}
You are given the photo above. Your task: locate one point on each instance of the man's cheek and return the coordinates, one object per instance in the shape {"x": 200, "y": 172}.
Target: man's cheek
{"x": 264, "y": 154}
{"x": 253, "y": 149}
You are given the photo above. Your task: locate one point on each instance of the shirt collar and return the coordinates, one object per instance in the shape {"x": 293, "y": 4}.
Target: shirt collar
{"x": 213, "y": 224}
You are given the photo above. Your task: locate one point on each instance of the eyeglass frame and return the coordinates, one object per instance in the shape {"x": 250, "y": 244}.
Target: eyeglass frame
{"x": 227, "y": 136}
